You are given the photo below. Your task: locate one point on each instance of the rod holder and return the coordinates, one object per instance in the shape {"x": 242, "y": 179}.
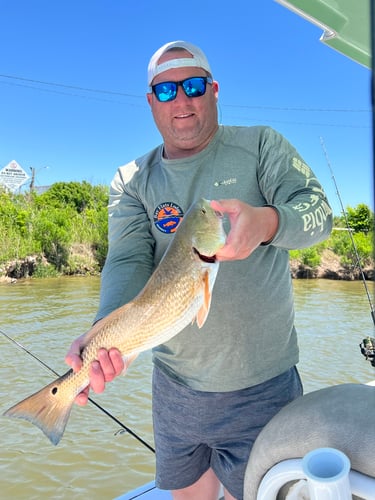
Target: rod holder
{"x": 327, "y": 473}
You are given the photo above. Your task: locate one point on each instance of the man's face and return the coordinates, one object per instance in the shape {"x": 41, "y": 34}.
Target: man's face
{"x": 187, "y": 124}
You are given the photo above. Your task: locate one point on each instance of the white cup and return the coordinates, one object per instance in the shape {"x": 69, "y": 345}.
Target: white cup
{"x": 327, "y": 473}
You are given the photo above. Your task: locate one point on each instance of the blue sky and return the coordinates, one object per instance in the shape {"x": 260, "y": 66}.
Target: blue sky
{"x": 270, "y": 65}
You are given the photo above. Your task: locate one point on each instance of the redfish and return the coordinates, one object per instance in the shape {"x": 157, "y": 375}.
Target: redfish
{"x": 177, "y": 293}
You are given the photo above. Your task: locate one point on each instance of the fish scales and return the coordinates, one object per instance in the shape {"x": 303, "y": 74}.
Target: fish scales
{"x": 178, "y": 292}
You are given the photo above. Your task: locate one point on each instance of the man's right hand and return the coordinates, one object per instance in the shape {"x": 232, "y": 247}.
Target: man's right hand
{"x": 108, "y": 365}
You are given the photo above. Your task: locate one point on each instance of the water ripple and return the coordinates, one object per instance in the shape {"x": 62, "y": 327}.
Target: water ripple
{"x": 93, "y": 459}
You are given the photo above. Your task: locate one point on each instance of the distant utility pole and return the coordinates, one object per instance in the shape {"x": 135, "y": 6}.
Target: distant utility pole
{"x": 32, "y": 182}
{"x": 33, "y": 174}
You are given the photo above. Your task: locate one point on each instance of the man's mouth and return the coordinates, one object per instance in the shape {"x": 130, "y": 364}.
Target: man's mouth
{"x": 183, "y": 115}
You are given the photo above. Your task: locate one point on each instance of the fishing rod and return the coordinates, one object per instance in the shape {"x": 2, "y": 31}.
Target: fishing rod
{"x": 98, "y": 406}
{"x": 367, "y": 345}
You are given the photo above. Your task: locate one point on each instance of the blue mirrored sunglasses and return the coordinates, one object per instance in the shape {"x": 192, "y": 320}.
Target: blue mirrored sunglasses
{"x": 193, "y": 87}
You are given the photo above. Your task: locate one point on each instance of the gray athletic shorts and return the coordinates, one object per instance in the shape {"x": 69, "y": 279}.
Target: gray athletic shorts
{"x": 196, "y": 430}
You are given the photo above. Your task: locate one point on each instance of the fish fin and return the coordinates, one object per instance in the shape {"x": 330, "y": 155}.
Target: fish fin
{"x": 49, "y": 409}
{"x": 205, "y": 307}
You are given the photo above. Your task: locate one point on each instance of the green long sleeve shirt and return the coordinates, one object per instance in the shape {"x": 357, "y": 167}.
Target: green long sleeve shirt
{"x": 249, "y": 336}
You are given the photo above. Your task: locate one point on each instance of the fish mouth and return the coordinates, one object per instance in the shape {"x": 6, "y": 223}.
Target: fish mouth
{"x": 211, "y": 259}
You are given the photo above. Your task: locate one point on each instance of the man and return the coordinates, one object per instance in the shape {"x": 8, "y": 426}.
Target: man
{"x": 213, "y": 389}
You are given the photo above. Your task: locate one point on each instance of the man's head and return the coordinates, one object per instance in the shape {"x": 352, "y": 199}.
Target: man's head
{"x": 182, "y": 96}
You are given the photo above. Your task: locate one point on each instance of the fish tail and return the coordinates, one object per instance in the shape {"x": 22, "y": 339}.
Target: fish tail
{"x": 49, "y": 409}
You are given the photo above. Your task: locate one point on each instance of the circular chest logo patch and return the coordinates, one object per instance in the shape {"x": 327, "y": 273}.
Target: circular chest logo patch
{"x": 167, "y": 217}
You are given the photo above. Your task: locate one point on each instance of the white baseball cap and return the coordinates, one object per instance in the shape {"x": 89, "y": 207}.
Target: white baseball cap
{"x": 199, "y": 60}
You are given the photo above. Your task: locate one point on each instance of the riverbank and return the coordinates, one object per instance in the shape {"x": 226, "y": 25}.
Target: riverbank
{"x": 64, "y": 232}
{"x": 329, "y": 267}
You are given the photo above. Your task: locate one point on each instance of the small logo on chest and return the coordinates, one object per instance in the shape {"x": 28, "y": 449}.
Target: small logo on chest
{"x": 225, "y": 182}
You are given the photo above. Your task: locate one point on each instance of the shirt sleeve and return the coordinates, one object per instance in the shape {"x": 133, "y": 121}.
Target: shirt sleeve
{"x": 290, "y": 186}
{"x": 129, "y": 262}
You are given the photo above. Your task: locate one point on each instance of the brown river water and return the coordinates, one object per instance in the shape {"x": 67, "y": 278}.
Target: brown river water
{"x": 95, "y": 460}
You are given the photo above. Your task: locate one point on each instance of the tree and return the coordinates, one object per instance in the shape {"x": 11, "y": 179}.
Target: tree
{"x": 78, "y": 195}
{"x": 360, "y": 219}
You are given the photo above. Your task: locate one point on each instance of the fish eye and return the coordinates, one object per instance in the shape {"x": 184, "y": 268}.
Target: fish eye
{"x": 203, "y": 211}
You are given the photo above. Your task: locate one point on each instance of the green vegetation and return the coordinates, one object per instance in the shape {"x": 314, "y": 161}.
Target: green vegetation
{"x": 351, "y": 241}
{"x": 64, "y": 231}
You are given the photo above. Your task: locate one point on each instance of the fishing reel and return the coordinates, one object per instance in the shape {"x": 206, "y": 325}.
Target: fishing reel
{"x": 367, "y": 347}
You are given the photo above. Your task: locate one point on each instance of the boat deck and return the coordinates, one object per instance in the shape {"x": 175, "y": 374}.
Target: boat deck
{"x": 150, "y": 492}
{"x": 146, "y": 492}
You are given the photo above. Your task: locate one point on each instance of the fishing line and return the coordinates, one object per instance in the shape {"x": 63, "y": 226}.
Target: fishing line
{"x": 101, "y": 408}
{"x": 358, "y": 261}
{"x": 367, "y": 346}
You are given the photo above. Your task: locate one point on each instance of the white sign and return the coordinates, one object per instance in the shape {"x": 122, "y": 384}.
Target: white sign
{"x": 13, "y": 176}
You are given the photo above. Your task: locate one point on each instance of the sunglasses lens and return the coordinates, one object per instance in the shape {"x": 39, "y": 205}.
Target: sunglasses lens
{"x": 194, "y": 87}
{"x": 165, "y": 91}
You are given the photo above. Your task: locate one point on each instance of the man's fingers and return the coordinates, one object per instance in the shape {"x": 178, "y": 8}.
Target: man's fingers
{"x": 229, "y": 207}
{"x": 73, "y": 357}
{"x": 97, "y": 377}
{"x": 108, "y": 366}
{"x": 117, "y": 361}
{"x": 82, "y": 397}
{"x": 217, "y": 205}
{"x": 74, "y": 361}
